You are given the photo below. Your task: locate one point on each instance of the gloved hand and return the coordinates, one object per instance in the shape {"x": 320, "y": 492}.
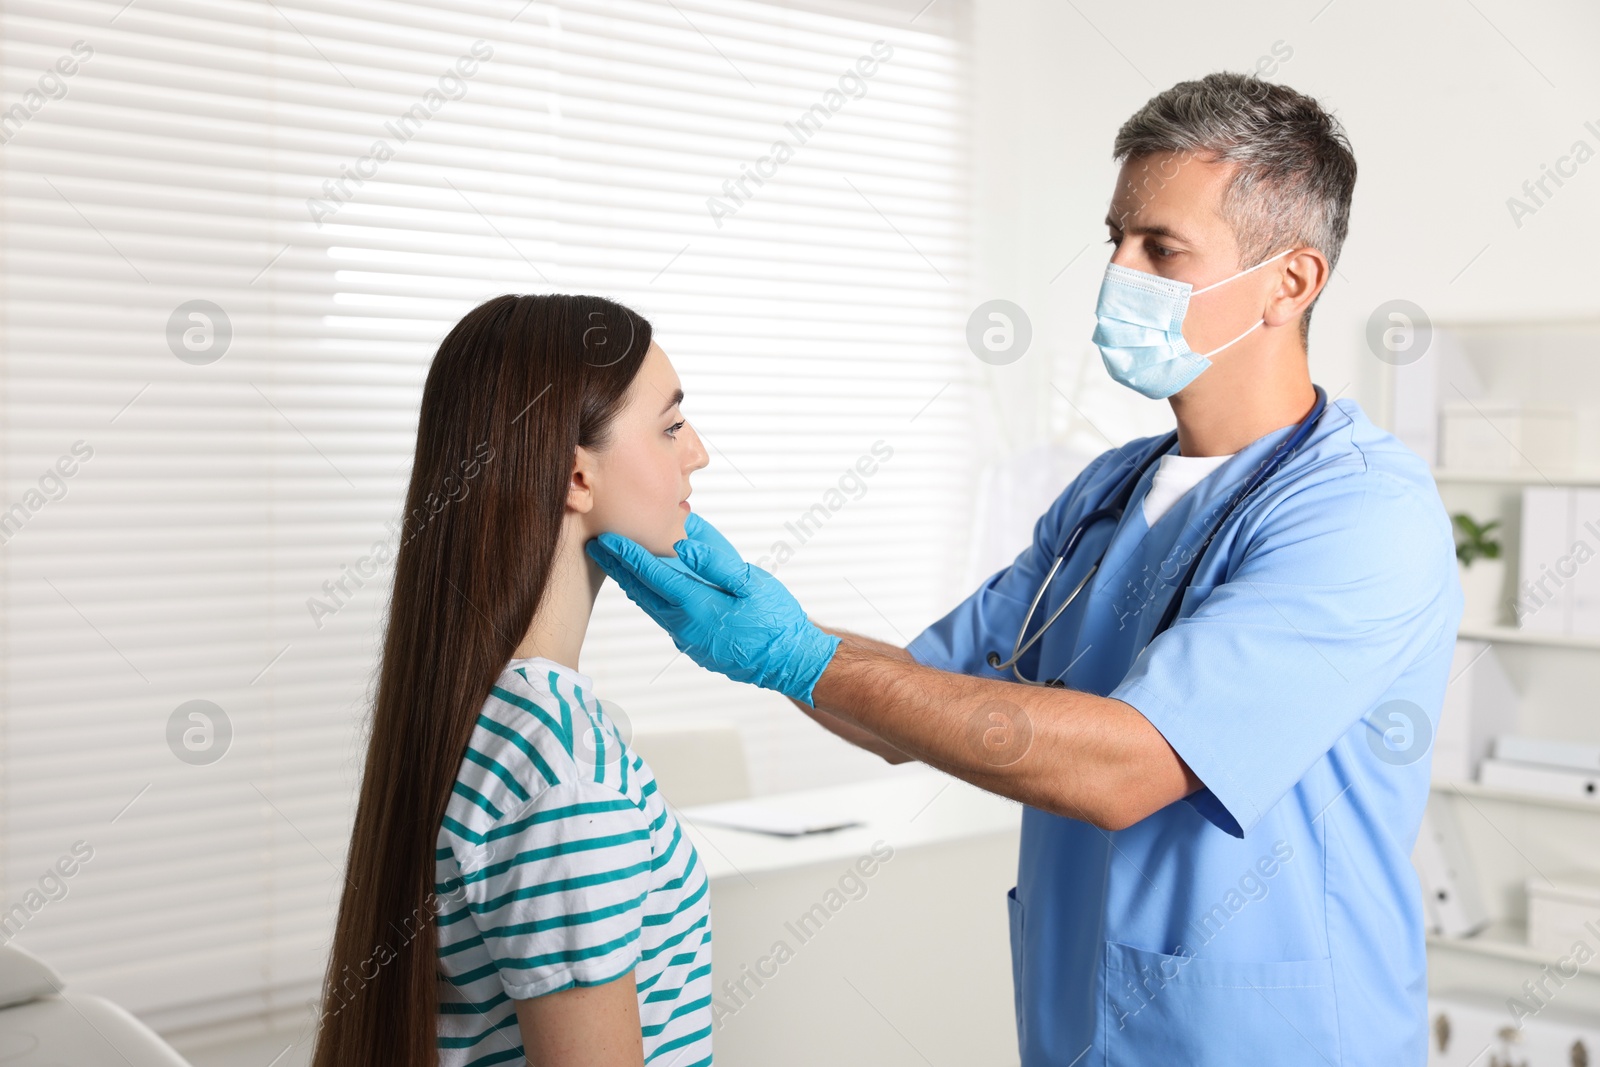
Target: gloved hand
{"x": 725, "y": 614}
{"x": 699, "y": 529}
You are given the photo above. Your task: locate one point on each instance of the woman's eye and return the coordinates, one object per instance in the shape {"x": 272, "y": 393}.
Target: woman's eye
{"x": 672, "y": 431}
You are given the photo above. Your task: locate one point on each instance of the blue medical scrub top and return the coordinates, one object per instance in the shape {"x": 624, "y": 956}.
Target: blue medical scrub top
{"x": 1272, "y": 917}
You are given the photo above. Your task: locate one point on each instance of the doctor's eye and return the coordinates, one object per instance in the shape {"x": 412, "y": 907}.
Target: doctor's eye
{"x": 1160, "y": 251}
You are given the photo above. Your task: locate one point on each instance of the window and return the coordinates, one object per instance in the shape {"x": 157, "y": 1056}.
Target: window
{"x": 234, "y": 233}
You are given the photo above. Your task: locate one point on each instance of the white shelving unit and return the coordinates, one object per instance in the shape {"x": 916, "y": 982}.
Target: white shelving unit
{"x": 1475, "y": 790}
{"x": 1511, "y": 837}
{"x": 1582, "y": 479}
{"x": 1510, "y": 635}
{"x": 1514, "y": 836}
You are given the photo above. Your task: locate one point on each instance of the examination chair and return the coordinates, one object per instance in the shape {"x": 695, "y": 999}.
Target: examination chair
{"x": 41, "y": 1025}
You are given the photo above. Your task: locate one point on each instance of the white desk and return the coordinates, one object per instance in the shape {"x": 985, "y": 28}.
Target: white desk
{"x": 909, "y": 965}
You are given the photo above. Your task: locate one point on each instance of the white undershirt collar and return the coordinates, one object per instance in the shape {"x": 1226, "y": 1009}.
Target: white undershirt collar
{"x": 1175, "y": 476}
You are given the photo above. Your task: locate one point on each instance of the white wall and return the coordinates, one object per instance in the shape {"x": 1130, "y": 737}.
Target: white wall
{"x": 1450, "y": 107}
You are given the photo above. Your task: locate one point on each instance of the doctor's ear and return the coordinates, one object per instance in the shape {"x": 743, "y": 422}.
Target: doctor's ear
{"x": 581, "y": 485}
{"x": 1305, "y": 273}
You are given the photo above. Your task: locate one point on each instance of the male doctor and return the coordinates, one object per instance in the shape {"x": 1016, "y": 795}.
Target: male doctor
{"x": 1221, "y": 798}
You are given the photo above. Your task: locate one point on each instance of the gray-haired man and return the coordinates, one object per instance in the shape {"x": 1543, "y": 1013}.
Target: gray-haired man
{"x": 1222, "y": 793}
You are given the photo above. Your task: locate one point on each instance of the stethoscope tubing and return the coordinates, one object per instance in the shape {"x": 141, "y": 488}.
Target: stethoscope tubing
{"x": 1115, "y": 511}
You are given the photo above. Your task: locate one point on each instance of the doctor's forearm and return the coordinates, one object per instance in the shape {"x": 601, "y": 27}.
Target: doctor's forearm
{"x": 1076, "y": 754}
{"x": 863, "y": 739}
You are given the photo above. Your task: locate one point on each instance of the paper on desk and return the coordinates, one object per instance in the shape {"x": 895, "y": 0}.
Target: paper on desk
{"x": 766, "y": 817}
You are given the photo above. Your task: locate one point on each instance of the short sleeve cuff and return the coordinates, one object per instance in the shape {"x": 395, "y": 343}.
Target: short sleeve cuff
{"x": 1222, "y": 800}
{"x": 568, "y": 907}
{"x": 924, "y": 648}
{"x": 598, "y": 971}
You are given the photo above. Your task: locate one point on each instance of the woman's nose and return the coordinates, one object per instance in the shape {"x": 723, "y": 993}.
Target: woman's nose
{"x": 698, "y": 457}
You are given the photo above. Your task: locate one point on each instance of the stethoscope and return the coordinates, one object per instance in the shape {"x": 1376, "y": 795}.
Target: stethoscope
{"x": 1114, "y": 510}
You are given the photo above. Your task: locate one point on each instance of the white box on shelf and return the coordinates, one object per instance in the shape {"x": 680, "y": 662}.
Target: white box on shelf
{"x": 1562, "y": 911}
{"x": 1544, "y": 593}
{"x": 1467, "y": 1028}
{"x": 1585, "y": 617}
{"x": 1479, "y": 704}
{"x": 1549, "y": 751}
{"x": 1542, "y": 781}
{"x": 1487, "y": 435}
{"x": 1450, "y": 895}
{"x": 1414, "y": 411}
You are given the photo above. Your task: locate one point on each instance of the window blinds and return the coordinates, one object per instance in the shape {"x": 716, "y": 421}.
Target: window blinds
{"x": 234, "y": 233}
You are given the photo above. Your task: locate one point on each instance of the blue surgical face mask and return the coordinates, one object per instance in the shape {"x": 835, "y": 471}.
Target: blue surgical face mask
{"x": 1139, "y": 329}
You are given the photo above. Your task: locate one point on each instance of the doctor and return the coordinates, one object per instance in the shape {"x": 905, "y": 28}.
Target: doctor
{"x": 1223, "y": 787}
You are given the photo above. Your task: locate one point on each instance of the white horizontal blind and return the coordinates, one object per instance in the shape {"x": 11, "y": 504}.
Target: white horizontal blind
{"x": 339, "y": 181}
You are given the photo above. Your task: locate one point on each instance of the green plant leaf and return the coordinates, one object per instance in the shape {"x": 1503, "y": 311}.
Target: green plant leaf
{"x": 1473, "y": 541}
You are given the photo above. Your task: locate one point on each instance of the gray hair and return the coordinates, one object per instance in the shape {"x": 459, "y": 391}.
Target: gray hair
{"x": 1295, "y": 174}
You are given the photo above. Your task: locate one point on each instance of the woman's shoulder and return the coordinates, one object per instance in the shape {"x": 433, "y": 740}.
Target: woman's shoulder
{"x": 536, "y": 704}
{"x": 536, "y": 734}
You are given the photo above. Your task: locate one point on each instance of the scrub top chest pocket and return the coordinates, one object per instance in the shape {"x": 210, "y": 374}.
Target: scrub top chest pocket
{"x": 1276, "y": 1012}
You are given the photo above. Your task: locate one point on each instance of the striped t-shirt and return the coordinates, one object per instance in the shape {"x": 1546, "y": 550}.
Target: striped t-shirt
{"x": 559, "y": 865}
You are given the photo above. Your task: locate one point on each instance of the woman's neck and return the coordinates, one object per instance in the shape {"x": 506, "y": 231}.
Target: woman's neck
{"x": 558, "y": 627}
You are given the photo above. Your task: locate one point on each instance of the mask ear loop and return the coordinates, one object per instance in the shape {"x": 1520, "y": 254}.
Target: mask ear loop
{"x": 1241, "y": 274}
{"x": 1241, "y": 337}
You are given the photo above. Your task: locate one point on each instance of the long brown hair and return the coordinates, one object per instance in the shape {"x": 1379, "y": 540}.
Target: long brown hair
{"x": 515, "y": 387}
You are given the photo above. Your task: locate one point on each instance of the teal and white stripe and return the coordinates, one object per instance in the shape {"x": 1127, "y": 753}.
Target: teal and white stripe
{"x": 561, "y": 866}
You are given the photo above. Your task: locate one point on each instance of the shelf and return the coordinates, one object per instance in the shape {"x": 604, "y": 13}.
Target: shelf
{"x": 1510, "y": 635}
{"x": 1468, "y": 476}
{"x": 1477, "y": 791}
{"x": 1500, "y": 940}
{"x": 1503, "y": 940}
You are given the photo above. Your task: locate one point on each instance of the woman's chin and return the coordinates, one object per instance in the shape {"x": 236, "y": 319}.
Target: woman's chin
{"x": 660, "y": 544}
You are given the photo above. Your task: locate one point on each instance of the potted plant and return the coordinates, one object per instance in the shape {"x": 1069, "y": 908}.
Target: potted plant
{"x": 1483, "y": 572}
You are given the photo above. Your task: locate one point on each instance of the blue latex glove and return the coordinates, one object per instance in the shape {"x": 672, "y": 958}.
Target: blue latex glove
{"x": 725, "y": 614}
{"x": 699, "y": 529}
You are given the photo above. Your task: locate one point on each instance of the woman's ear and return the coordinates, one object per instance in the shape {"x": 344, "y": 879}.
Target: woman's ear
{"x": 581, "y": 486}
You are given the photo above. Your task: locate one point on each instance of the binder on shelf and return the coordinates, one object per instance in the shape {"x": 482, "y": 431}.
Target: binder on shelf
{"x": 1450, "y": 893}
{"x": 1479, "y": 703}
{"x": 1414, "y": 409}
{"x": 1548, "y": 752}
{"x": 1544, "y": 594}
{"x": 1542, "y": 781}
{"x": 1585, "y": 619}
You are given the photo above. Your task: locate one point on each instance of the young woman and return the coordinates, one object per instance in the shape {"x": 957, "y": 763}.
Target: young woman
{"x": 517, "y": 890}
